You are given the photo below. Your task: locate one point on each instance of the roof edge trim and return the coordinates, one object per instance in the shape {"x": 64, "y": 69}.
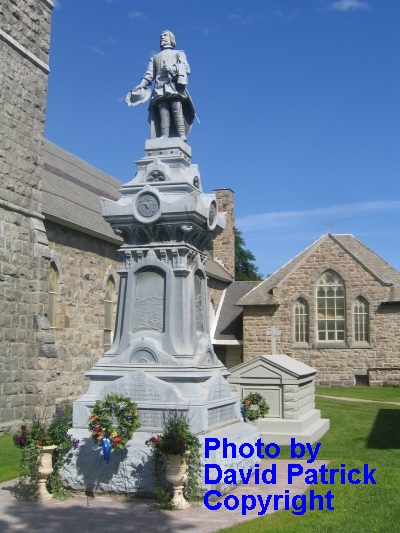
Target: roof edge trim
{"x": 82, "y": 229}
{"x": 359, "y": 261}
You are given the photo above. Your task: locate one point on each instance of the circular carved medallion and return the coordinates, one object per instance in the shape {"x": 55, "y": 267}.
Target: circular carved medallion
{"x": 212, "y": 213}
{"x": 147, "y": 205}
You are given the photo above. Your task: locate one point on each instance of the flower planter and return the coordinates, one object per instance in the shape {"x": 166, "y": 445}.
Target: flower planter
{"x": 176, "y": 473}
{"x": 45, "y": 469}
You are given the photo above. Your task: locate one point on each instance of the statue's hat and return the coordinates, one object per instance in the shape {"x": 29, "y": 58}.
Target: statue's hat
{"x": 137, "y": 96}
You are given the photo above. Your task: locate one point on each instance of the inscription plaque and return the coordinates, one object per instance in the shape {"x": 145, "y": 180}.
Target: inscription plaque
{"x": 217, "y": 415}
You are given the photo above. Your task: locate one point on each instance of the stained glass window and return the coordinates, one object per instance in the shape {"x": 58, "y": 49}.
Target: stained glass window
{"x": 109, "y": 313}
{"x": 361, "y": 333}
{"x": 331, "y": 308}
{"x": 301, "y": 321}
{"x": 53, "y": 278}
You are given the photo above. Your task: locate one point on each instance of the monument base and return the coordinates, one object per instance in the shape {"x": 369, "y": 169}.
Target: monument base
{"x": 309, "y": 427}
{"x": 130, "y": 471}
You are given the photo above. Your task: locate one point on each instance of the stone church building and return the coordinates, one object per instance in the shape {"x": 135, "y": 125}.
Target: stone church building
{"x": 337, "y": 305}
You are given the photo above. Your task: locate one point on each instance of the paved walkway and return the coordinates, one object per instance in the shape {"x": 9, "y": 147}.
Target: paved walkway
{"x": 124, "y": 515}
{"x": 348, "y": 399}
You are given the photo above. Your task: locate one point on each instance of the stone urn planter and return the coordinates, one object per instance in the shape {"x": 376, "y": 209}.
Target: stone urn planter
{"x": 176, "y": 473}
{"x": 45, "y": 469}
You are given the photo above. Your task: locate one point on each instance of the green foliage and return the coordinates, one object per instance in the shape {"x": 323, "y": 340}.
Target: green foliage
{"x": 254, "y": 407}
{"x": 28, "y": 484}
{"x": 245, "y": 270}
{"x": 30, "y": 441}
{"x": 383, "y": 394}
{"x": 126, "y": 413}
{"x": 176, "y": 439}
{"x": 9, "y": 459}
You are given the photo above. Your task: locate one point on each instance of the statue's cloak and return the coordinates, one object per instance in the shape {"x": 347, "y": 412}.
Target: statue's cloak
{"x": 188, "y": 115}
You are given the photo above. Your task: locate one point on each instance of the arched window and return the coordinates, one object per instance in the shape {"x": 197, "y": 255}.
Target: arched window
{"x": 361, "y": 333}
{"x": 301, "y": 321}
{"x": 53, "y": 279}
{"x": 109, "y": 313}
{"x": 331, "y": 308}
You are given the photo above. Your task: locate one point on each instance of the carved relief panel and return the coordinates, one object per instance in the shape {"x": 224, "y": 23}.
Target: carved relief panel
{"x": 198, "y": 294}
{"x": 149, "y": 300}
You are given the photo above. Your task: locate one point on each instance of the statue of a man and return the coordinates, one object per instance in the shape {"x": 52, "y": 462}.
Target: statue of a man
{"x": 171, "y": 111}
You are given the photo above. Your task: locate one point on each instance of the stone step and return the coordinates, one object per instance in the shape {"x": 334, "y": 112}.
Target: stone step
{"x": 308, "y": 428}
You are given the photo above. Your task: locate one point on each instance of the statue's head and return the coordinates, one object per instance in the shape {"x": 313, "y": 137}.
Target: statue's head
{"x": 167, "y": 40}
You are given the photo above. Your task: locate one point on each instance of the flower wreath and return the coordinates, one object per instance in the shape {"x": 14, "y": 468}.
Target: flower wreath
{"x": 102, "y": 429}
{"x": 254, "y": 407}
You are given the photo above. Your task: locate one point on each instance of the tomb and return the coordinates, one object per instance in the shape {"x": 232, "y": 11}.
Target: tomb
{"x": 288, "y": 387}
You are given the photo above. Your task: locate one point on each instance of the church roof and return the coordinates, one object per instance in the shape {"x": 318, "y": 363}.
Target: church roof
{"x": 229, "y": 316}
{"x": 214, "y": 269}
{"x": 367, "y": 258}
{"x": 376, "y": 266}
{"x": 71, "y": 191}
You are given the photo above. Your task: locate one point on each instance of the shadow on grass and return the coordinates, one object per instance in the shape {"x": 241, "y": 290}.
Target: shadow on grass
{"x": 385, "y": 432}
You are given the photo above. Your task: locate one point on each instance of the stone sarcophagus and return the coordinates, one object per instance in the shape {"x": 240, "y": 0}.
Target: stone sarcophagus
{"x": 288, "y": 387}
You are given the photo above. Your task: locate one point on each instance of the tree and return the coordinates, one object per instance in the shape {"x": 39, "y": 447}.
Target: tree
{"x": 245, "y": 270}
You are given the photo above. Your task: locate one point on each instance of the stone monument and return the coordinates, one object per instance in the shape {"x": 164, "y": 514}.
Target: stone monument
{"x": 288, "y": 387}
{"x": 161, "y": 356}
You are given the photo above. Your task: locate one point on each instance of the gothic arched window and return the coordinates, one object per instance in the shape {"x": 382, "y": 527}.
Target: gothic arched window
{"x": 301, "y": 321}
{"x": 109, "y": 313}
{"x": 53, "y": 280}
{"x": 361, "y": 333}
{"x": 331, "y": 308}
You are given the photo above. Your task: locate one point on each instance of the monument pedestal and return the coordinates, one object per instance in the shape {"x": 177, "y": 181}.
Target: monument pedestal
{"x": 130, "y": 471}
{"x": 288, "y": 387}
{"x": 162, "y": 356}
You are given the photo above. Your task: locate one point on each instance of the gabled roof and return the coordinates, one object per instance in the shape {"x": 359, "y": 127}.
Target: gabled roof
{"x": 377, "y": 267}
{"x": 71, "y": 191}
{"x": 262, "y": 294}
{"x": 229, "y": 316}
{"x": 368, "y": 259}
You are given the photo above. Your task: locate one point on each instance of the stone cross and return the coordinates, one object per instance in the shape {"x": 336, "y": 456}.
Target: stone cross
{"x": 273, "y": 333}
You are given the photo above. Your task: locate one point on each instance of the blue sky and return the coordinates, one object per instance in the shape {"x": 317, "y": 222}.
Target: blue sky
{"x": 299, "y": 103}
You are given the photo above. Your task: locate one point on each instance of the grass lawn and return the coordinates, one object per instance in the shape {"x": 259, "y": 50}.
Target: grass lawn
{"x": 9, "y": 458}
{"x": 381, "y": 394}
{"x": 360, "y": 433}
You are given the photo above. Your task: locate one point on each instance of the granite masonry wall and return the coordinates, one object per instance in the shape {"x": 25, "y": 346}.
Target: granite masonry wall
{"x": 27, "y": 353}
{"x": 84, "y": 264}
{"x": 337, "y": 363}
{"x": 298, "y": 400}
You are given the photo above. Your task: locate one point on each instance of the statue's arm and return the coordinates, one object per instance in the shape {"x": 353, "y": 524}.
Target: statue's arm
{"x": 149, "y": 74}
{"x": 182, "y": 68}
